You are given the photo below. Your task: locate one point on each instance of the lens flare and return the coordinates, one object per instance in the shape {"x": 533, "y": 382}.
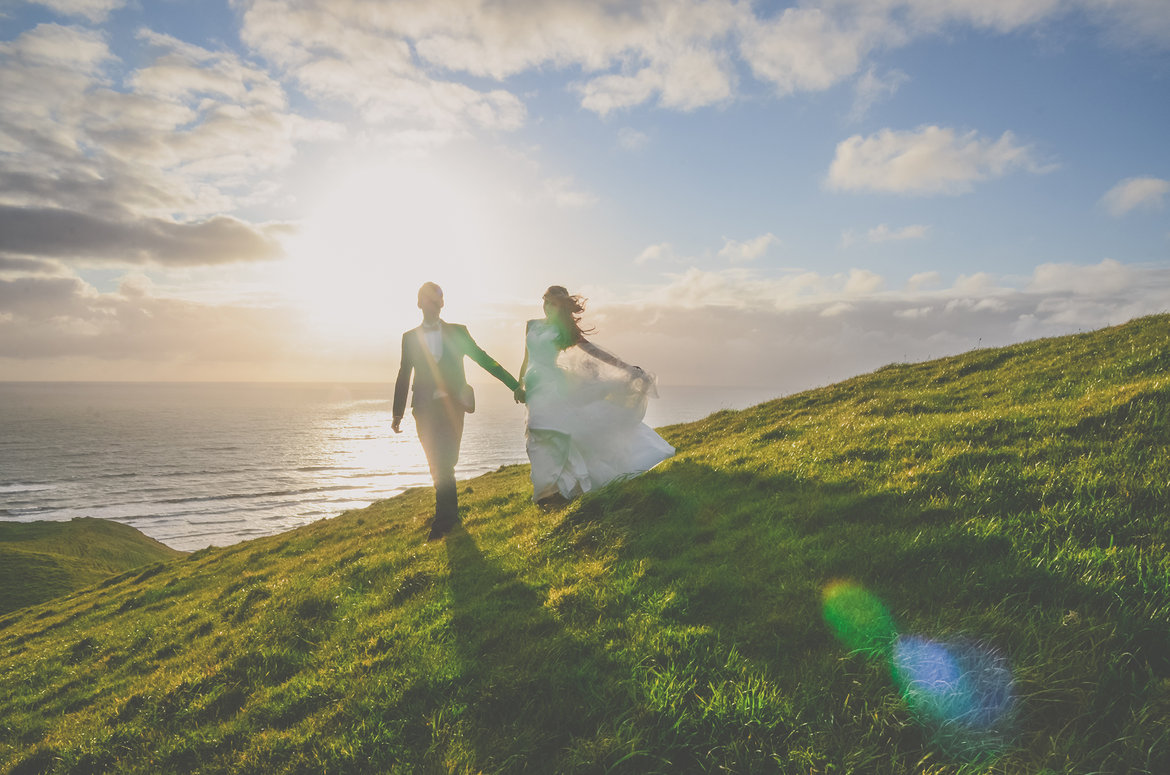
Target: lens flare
{"x": 858, "y": 618}
{"x": 961, "y": 691}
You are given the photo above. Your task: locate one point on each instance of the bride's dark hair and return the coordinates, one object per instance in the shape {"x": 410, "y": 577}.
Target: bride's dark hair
{"x": 568, "y": 315}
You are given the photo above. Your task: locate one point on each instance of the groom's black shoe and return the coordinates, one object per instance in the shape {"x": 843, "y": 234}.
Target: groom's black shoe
{"x": 440, "y": 528}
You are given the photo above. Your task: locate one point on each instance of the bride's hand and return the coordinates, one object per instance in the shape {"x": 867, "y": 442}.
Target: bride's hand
{"x": 519, "y": 395}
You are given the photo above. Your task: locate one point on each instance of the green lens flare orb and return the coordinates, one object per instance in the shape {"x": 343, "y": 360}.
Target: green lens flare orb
{"x": 858, "y": 618}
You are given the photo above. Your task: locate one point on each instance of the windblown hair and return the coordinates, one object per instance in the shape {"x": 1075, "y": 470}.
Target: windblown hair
{"x": 568, "y": 315}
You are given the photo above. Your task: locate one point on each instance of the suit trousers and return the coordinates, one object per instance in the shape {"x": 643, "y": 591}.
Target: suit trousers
{"x": 440, "y": 429}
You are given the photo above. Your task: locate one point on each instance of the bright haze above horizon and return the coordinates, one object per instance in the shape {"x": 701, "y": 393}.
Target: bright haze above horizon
{"x": 748, "y": 193}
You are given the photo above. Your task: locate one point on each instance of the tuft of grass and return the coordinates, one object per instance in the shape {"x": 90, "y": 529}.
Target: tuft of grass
{"x": 950, "y": 567}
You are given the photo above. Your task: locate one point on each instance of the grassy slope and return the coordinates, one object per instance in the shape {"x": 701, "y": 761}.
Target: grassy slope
{"x": 1015, "y": 498}
{"x": 43, "y": 560}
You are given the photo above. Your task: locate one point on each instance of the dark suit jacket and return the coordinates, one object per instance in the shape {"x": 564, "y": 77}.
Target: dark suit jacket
{"x": 447, "y": 374}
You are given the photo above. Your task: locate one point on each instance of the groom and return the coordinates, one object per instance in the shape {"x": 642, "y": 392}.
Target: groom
{"x": 434, "y": 352}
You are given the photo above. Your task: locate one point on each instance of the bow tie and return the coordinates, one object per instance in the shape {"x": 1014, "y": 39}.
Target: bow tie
{"x": 431, "y": 326}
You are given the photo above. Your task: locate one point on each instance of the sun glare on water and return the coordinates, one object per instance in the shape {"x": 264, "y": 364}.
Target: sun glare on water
{"x": 378, "y": 233}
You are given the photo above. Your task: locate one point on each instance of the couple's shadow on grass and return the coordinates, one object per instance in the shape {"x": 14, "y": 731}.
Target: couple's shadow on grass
{"x": 529, "y": 687}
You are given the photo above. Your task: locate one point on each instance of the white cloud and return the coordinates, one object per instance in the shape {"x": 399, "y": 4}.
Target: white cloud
{"x": 739, "y": 252}
{"x": 676, "y": 51}
{"x": 183, "y": 71}
{"x": 62, "y": 317}
{"x": 797, "y": 330}
{"x": 186, "y": 119}
{"x": 564, "y": 194}
{"x": 977, "y": 284}
{"x": 810, "y": 49}
{"x": 69, "y": 235}
{"x": 929, "y": 160}
{"x": 136, "y": 285}
{"x": 407, "y": 61}
{"x": 1134, "y": 193}
{"x": 836, "y": 309}
{"x": 862, "y": 282}
{"x": 70, "y": 49}
{"x": 26, "y": 266}
{"x": 1125, "y": 22}
{"x": 883, "y": 233}
{"x": 750, "y": 289}
{"x": 923, "y": 280}
{"x": 186, "y": 133}
{"x": 402, "y": 61}
{"x": 1132, "y": 22}
{"x": 94, "y": 11}
{"x": 695, "y": 78}
{"x": 1109, "y": 276}
{"x": 614, "y": 92}
{"x": 683, "y": 80}
{"x": 872, "y": 88}
{"x": 360, "y": 54}
{"x": 698, "y": 288}
{"x": 761, "y": 290}
{"x": 498, "y": 40}
{"x": 1000, "y": 15}
{"x": 631, "y": 139}
{"x": 663, "y": 251}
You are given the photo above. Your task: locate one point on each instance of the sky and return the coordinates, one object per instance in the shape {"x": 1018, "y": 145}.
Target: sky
{"x": 765, "y": 194}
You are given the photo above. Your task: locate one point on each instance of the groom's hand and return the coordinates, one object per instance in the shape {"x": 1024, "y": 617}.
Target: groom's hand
{"x": 519, "y": 395}
{"x": 396, "y": 426}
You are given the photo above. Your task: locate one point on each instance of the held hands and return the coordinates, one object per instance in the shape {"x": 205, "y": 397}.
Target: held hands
{"x": 519, "y": 394}
{"x": 396, "y": 426}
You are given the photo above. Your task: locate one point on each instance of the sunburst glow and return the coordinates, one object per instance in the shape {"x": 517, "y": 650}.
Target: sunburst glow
{"x": 377, "y": 234}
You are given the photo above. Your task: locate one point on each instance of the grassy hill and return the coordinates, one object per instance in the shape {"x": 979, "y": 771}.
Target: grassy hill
{"x": 42, "y": 560}
{"x": 954, "y": 566}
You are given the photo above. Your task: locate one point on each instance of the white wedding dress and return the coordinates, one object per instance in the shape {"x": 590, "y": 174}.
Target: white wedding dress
{"x": 585, "y": 417}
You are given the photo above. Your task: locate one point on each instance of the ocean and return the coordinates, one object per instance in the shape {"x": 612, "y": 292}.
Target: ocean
{"x": 202, "y": 464}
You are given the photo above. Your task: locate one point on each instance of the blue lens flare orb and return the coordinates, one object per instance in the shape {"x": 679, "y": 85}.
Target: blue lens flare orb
{"x": 962, "y": 693}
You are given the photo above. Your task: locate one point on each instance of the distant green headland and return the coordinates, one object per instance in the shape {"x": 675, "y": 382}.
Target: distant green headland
{"x": 949, "y": 567}
{"x": 42, "y": 560}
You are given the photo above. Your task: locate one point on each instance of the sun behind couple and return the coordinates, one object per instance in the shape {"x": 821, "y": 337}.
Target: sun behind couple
{"x": 585, "y": 406}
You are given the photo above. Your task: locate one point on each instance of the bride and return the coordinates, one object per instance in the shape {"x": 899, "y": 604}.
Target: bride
{"x": 585, "y": 407}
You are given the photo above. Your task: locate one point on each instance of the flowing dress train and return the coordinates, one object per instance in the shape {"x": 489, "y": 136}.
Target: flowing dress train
{"x": 585, "y": 424}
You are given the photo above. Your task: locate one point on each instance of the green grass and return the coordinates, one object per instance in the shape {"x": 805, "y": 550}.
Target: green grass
{"x": 43, "y": 560}
{"x": 1009, "y": 504}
